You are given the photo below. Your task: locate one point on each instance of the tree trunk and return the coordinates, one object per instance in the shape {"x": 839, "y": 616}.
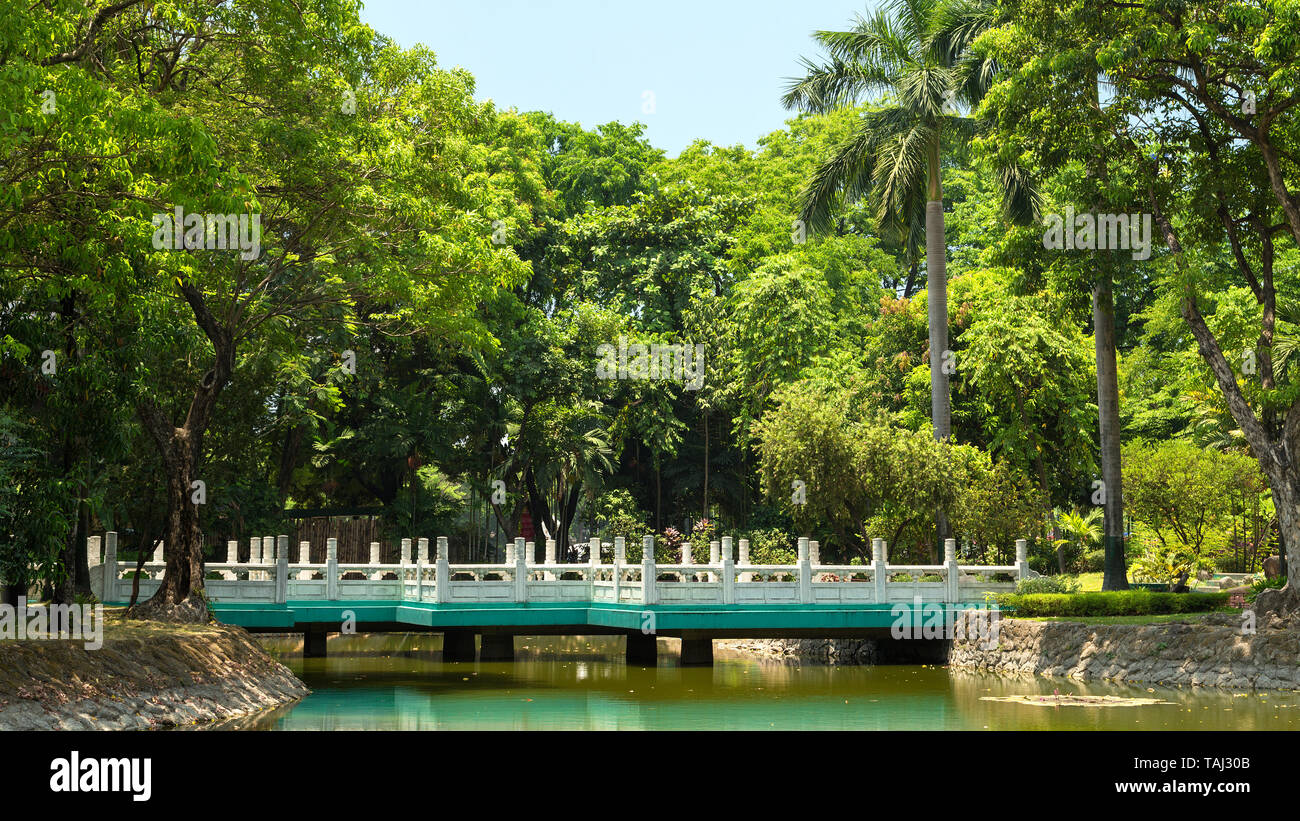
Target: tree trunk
{"x": 909, "y": 287}
{"x": 705, "y": 514}
{"x": 82, "y": 587}
{"x": 1274, "y": 449}
{"x": 65, "y": 590}
{"x": 1103, "y": 328}
{"x": 936, "y": 275}
{"x": 180, "y": 596}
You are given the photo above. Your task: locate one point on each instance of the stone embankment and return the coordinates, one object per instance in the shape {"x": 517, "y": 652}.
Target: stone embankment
{"x": 146, "y": 675}
{"x": 1206, "y": 651}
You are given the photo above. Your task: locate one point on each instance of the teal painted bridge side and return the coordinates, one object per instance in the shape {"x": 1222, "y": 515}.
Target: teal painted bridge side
{"x": 770, "y": 620}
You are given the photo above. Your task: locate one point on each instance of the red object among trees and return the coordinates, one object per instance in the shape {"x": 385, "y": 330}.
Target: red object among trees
{"x": 526, "y": 526}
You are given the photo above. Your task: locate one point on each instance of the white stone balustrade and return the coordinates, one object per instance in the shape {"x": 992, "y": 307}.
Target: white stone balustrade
{"x": 269, "y": 576}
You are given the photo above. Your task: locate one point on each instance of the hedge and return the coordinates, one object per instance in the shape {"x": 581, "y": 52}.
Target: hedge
{"x": 1110, "y": 603}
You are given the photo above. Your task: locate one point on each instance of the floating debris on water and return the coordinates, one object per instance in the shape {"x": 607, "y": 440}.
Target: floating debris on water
{"x": 1059, "y": 700}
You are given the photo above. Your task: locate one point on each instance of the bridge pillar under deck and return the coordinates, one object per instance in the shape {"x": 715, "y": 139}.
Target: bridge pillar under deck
{"x": 458, "y": 645}
{"x": 642, "y": 649}
{"x": 696, "y": 653}
{"x": 313, "y": 642}
{"x": 497, "y": 647}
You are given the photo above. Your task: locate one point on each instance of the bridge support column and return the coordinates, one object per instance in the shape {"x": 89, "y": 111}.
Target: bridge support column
{"x": 642, "y": 649}
{"x": 458, "y": 645}
{"x": 696, "y": 653}
{"x": 497, "y": 647}
{"x": 313, "y": 642}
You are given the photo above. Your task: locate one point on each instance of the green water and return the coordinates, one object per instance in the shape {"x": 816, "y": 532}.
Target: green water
{"x": 399, "y": 682}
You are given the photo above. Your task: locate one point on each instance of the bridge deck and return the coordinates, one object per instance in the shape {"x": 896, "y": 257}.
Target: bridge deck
{"x": 713, "y": 620}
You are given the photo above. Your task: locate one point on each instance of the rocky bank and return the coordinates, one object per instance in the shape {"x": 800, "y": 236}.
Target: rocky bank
{"x": 1207, "y": 651}
{"x": 147, "y": 675}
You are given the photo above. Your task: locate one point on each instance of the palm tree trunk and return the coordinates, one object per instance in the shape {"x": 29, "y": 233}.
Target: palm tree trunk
{"x": 1103, "y": 328}
{"x": 936, "y": 273}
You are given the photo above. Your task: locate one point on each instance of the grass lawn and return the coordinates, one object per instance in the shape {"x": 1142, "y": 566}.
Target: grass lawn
{"x": 1091, "y": 582}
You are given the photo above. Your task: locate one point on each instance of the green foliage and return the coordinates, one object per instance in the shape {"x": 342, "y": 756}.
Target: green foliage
{"x": 1047, "y": 584}
{"x": 1094, "y": 561}
{"x": 1166, "y": 563}
{"x": 618, "y": 515}
{"x": 1260, "y": 585}
{"x": 1110, "y": 603}
{"x": 474, "y": 260}
{"x": 772, "y": 547}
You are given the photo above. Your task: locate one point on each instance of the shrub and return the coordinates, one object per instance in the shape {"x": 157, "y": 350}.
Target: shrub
{"x": 1165, "y": 563}
{"x": 1111, "y": 603}
{"x": 1094, "y": 561}
{"x": 1260, "y": 585}
{"x": 771, "y": 546}
{"x": 1047, "y": 584}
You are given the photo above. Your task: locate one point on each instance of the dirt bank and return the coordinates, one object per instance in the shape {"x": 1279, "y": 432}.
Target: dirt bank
{"x": 146, "y": 675}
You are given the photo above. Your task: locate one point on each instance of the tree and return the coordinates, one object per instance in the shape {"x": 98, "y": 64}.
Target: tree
{"x": 1032, "y": 383}
{"x": 1183, "y": 494}
{"x": 916, "y": 53}
{"x": 1079, "y": 531}
{"x": 1205, "y": 108}
{"x": 379, "y": 205}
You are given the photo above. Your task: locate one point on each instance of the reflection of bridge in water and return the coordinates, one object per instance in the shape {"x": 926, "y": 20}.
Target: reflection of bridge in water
{"x": 480, "y": 608}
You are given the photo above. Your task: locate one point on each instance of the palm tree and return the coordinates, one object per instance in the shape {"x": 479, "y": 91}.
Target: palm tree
{"x": 913, "y": 58}
{"x": 1080, "y": 530}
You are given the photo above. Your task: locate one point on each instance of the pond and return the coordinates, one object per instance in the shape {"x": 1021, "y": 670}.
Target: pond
{"x": 399, "y": 682}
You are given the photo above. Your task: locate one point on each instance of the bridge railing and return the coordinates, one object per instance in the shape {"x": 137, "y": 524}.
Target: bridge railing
{"x": 270, "y": 577}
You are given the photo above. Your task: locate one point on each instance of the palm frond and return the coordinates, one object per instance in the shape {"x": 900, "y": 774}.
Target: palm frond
{"x": 876, "y": 40}
{"x": 850, "y": 167}
{"x": 926, "y": 90}
{"x": 827, "y": 86}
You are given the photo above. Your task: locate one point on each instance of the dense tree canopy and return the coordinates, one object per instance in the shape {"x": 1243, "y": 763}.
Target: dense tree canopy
{"x": 417, "y": 316}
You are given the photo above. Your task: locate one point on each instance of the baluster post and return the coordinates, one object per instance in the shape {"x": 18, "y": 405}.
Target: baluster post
{"x": 805, "y": 572}
{"x": 880, "y": 569}
{"x": 444, "y": 571}
{"x": 521, "y": 570}
{"x": 952, "y": 572}
{"x": 728, "y": 573}
{"x": 1022, "y": 559}
{"x": 620, "y": 557}
{"x": 268, "y": 556}
{"x": 332, "y": 569}
{"x": 649, "y": 576}
{"x": 282, "y": 569}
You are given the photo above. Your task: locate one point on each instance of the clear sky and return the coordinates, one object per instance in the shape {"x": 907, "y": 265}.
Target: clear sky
{"x": 712, "y": 68}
